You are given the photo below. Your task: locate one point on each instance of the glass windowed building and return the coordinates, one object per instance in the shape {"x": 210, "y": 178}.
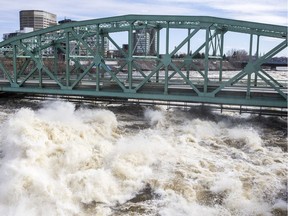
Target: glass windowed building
{"x": 36, "y": 19}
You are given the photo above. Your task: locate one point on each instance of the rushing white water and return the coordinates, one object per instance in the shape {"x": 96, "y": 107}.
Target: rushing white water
{"x": 59, "y": 160}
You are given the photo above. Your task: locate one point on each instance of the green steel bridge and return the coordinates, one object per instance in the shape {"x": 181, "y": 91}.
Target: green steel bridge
{"x": 72, "y": 59}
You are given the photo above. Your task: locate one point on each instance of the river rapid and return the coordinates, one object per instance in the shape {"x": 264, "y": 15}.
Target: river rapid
{"x": 57, "y": 158}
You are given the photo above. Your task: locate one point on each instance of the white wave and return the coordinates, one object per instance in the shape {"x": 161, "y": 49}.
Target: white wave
{"x": 63, "y": 161}
{"x": 155, "y": 117}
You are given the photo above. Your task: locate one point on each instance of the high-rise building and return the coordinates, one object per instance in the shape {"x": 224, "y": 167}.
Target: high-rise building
{"x": 145, "y": 42}
{"x": 36, "y": 19}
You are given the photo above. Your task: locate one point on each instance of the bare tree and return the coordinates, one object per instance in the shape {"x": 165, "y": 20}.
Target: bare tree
{"x": 237, "y": 55}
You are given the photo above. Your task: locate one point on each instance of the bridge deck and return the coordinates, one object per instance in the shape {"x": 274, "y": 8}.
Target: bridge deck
{"x": 176, "y": 92}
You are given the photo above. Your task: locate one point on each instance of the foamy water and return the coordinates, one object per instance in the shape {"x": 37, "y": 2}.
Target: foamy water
{"x": 59, "y": 160}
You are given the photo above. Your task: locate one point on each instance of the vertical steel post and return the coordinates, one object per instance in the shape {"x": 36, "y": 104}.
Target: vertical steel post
{"x": 215, "y": 45}
{"x": 166, "y": 56}
{"x": 249, "y": 68}
{"x": 188, "y": 54}
{"x": 39, "y": 63}
{"x": 98, "y": 65}
{"x": 55, "y": 62}
{"x": 206, "y": 60}
{"x": 102, "y": 52}
{"x": 67, "y": 59}
{"x": 158, "y": 52}
{"x": 130, "y": 50}
{"x": 103, "y": 45}
{"x": 221, "y": 55}
{"x": 257, "y": 56}
{"x": 15, "y": 64}
{"x": 145, "y": 41}
{"x": 251, "y": 48}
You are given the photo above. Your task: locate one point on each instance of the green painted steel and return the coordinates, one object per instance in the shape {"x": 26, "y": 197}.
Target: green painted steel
{"x": 72, "y": 59}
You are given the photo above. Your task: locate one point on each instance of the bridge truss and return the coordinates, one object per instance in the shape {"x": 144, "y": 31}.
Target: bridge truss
{"x": 72, "y": 59}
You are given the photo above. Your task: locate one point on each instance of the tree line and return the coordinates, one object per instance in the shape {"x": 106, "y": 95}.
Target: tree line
{"x": 231, "y": 55}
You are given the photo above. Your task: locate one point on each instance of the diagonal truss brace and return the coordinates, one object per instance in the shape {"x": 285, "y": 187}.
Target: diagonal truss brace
{"x": 251, "y": 68}
{"x": 40, "y": 65}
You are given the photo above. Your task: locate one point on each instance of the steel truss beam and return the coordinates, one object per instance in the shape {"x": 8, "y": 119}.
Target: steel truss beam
{"x": 71, "y": 59}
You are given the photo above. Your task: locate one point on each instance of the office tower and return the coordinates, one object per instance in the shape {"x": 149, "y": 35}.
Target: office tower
{"x": 36, "y": 19}
{"x": 145, "y": 42}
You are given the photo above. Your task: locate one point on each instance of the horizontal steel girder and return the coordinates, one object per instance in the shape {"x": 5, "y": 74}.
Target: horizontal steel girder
{"x": 122, "y": 23}
{"x": 277, "y": 103}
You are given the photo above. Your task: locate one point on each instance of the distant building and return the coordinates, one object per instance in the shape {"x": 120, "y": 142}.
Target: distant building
{"x": 36, "y": 19}
{"x": 144, "y": 42}
{"x": 31, "y": 20}
{"x": 16, "y": 33}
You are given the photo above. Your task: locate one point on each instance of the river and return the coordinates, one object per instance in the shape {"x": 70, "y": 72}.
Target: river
{"x": 57, "y": 158}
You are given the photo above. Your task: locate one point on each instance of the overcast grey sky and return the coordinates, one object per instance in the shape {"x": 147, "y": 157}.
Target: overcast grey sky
{"x": 264, "y": 11}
